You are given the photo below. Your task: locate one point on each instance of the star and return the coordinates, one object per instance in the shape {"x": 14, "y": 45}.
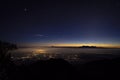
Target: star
{"x": 25, "y": 9}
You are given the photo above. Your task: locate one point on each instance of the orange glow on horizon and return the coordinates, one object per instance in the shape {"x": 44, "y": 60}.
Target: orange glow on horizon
{"x": 91, "y": 44}
{"x": 108, "y": 45}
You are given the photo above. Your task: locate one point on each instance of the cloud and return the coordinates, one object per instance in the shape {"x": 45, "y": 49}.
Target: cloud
{"x": 40, "y": 35}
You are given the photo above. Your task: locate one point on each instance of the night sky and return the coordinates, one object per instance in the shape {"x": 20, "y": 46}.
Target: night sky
{"x": 60, "y": 22}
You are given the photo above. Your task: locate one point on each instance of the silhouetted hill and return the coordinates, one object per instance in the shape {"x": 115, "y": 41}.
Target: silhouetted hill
{"x": 59, "y": 69}
{"x": 53, "y": 69}
{"x": 101, "y": 69}
{"x": 76, "y": 47}
{"x": 88, "y": 47}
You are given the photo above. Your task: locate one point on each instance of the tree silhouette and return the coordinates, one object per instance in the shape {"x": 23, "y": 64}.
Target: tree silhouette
{"x": 5, "y": 58}
{"x": 5, "y": 55}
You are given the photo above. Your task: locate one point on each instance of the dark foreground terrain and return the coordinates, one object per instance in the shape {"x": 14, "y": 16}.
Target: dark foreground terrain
{"x": 59, "y": 69}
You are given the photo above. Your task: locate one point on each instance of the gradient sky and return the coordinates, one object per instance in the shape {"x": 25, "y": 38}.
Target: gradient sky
{"x": 60, "y": 22}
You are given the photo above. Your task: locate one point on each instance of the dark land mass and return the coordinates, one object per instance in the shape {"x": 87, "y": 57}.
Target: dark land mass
{"x": 59, "y": 69}
{"x": 56, "y": 69}
{"x": 90, "y": 47}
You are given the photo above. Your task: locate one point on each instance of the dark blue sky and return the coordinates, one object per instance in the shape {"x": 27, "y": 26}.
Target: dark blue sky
{"x": 93, "y": 21}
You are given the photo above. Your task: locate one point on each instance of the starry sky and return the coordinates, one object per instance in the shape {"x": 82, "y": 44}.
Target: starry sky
{"x": 60, "y": 22}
